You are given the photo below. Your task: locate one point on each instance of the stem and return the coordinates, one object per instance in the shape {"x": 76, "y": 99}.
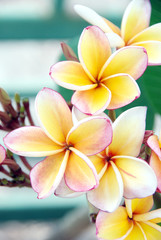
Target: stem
{"x": 112, "y": 115}
{"x": 25, "y": 162}
{"x": 13, "y": 184}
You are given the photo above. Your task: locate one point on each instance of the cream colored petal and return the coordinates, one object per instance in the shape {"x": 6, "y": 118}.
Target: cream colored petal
{"x": 131, "y": 60}
{"x": 54, "y": 115}
{"x": 91, "y": 135}
{"x": 93, "y": 51}
{"x": 32, "y": 142}
{"x": 138, "y": 177}
{"x": 123, "y": 88}
{"x": 115, "y": 225}
{"x": 47, "y": 174}
{"x": 108, "y": 195}
{"x": 115, "y": 40}
{"x": 153, "y": 49}
{"x": 135, "y": 19}
{"x": 93, "y": 101}
{"x": 130, "y": 127}
{"x": 148, "y": 216}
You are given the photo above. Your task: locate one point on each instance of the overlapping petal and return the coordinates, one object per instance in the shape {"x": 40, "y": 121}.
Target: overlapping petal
{"x": 153, "y": 143}
{"x": 100, "y": 164}
{"x": 130, "y": 127}
{"x": 47, "y": 174}
{"x": 124, "y": 90}
{"x": 54, "y": 115}
{"x": 153, "y": 49}
{"x": 131, "y": 60}
{"x": 32, "y": 142}
{"x": 150, "y": 232}
{"x": 138, "y": 177}
{"x": 2, "y": 153}
{"x": 155, "y": 163}
{"x": 136, "y": 233}
{"x": 71, "y": 75}
{"x": 148, "y": 216}
{"x": 135, "y": 19}
{"x": 93, "y": 101}
{"x": 80, "y": 174}
{"x": 108, "y": 195}
{"x": 93, "y": 50}
{"x": 114, "y": 225}
{"x": 91, "y": 135}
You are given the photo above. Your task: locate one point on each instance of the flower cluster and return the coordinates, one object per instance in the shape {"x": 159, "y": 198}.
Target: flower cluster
{"x": 87, "y": 151}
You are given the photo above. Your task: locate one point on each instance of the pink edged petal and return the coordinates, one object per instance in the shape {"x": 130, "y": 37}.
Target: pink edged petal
{"x": 63, "y": 191}
{"x": 47, "y": 174}
{"x": 130, "y": 127}
{"x": 91, "y": 135}
{"x": 148, "y": 216}
{"x": 80, "y": 174}
{"x": 123, "y": 88}
{"x": 152, "y": 231}
{"x": 54, "y": 115}
{"x": 155, "y": 163}
{"x": 138, "y": 177}
{"x": 93, "y": 101}
{"x": 2, "y": 154}
{"x": 137, "y": 233}
{"x": 115, "y": 225}
{"x": 136, "y": 18}
{"x": 139, "y": 205}
{"x": 152, "y": 33}
{"x": 93, "y": 50}
{"x": 92, "y": 17}
{"x": 131, "y": 60}
{"x": 153, "y": 143}
{"x": 32, "y": 142}
{"x": 153, "y": 49}
{"x": 71, "y": 75}
{"x": 78, "y": 115}
{"x": 108, "y": 195}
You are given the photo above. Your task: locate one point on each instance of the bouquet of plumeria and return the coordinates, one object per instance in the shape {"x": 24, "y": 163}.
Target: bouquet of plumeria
{"x": 115, "y": 161}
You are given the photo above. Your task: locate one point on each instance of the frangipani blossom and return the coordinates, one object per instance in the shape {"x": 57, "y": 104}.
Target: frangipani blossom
{"x": 135, "y": 30}
{"x": 133, "y": 222}
{"x": 120, "y": 172}
{"x": 155, "y": 158}
{"x": 101, "y": 79}
{"x": 65, "y": 145}
{"x": 2, "y": 154}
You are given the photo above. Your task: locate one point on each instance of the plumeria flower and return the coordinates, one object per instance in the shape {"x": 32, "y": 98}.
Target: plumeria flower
{"x": 101, "y": 79}
{"x": 133, "y": 222}
{"x": 135, "y": 30}
{"x": 120, "y": 172}
{"x": 65, "y": 145}
{"x": 2, "y": 154}
{"x": 155, "y": 159}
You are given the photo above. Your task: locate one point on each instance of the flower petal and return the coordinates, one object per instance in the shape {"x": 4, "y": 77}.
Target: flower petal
{"x": 152, "y": 33}
{"x": 153, "y": 49}
{"x": 80, "y": 174}
{"x": 137, "y": 233}
{"x": 151, "y": 232}
{"x": 138, "y": 177}
{"x": 91, "y": 135}
{"x": 92, "y": 17}
{"x": 93, "y": 50}
{"x": 153, "y": 143}
{"x": 2, "y": 154}
{"x": 47, "y": 174}
{"x": 115, "y": 225}
{"x": 139, "y": 205}
{"x": 123, "y": 88}
{"x": 136, "y": 18}
{"x": 32, "y": 142}
{"x": 115, "y": 40}
{"x": 63, "y": 191}
{"x": 148, "y": 216}
{"x": 54, "y": 115}
{"x": 100, "y": 164}
{"x": 93, "y": 101}
{"x": 108, "y": 195}
{"x": 130, "y": 127}
{"x": 130, "y": 60}
{"x": 71, "y": 75}
{"x": 155, "y": 163}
